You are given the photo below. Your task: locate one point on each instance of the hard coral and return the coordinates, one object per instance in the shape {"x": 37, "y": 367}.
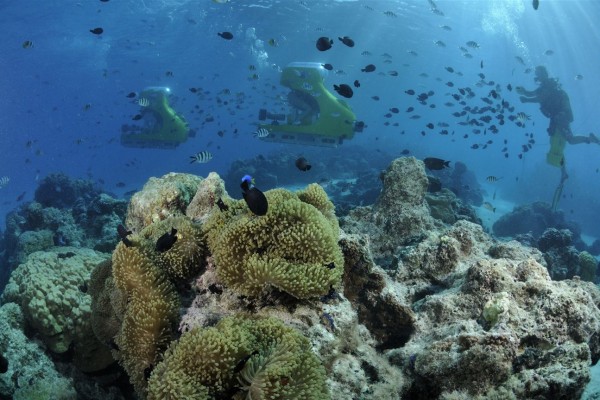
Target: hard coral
{"x": 31, "y": 373}
{"x": 268, "y": 359}
{"x": 293, "y": 247}
{"x": 161, "y": 198}
{"x": 47, "y": 287}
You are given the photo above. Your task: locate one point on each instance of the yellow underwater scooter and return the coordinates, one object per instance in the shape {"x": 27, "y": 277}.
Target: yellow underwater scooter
{"x": 317, "y": 117}
{"x": 161, "y": 126}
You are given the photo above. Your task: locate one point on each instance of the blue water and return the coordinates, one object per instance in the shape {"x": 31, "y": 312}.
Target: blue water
{"x": 45, "y": 88}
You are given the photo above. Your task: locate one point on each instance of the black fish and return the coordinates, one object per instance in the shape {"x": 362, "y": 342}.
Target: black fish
{"x": 344, "y": 90}
{"x": 21, "y": 196}
{"x": 302, "y": 164}
{"x": 405, "y": 152}
{"x": 97, "y": 31}
{"x": 254, "y": 198}
{"x": 409, "y": 92}
{"x": 240, "y": 365}
{"x": 68, "y": 254}
{"x": 324, "y": 43}
{"x": 369, "y": 68}
{"x": 3, "y": 364}
{"x": 226, "y": 35}
{"x": 328, "y": 67}
{"x": 137, "y": 117}
{"x": 222, "y": 205}
{"x": 166, "y": 241}
{"x": 331, "y": 265}
{"x": 436, "y": 163}
{"x": 395, "y": 110}
{"x": 356, "y": 83}
{"x": 536, "y": 4}
{"x": 148, "y": 371}
{"x": 131, "y": 95}
{"x": 123, "y": 233}
{"x": 347, "y": 41}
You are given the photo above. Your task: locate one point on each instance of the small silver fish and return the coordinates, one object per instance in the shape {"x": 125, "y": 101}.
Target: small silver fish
{"x": 261, "y": 133}
{"x": 522, "y": 117}
{"x": 143, "y": 102}
{"x": 201, "y": 157}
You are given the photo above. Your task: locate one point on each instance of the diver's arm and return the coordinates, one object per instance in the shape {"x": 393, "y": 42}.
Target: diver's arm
{"x": 529, "y": 99}
{"x": 524, "y": 92}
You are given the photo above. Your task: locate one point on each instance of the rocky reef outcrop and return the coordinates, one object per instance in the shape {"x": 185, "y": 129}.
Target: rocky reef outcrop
{"x": 563, "y": 260}
{"x": 534, "y": 219}
{"x": 64, "y": 212}
{"x": 412, "y": 306}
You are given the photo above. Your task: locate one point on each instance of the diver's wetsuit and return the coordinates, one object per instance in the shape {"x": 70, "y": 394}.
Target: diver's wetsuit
{"x": 554, "y": 104}
{"x": 305, "y": 107}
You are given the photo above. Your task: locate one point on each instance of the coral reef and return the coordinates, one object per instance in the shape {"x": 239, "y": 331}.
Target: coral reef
{"x": 554, "y": 238}
{"x": 292, "y": 248}
{"x": 481, "y": 317}
{"x": 150, "y": 315}
{"x": 49, "y": 289}
{"x": 415, "y": 301}
{"x": 186, "y": 257}
{"x": 60, "y": 191}
{"x": 562, "y": 259}
{"x": 462, "y": 182}
{"x": 108, "y": 304}
{"x": 588, "y": 267}
{"x": 401, "y": 215}
{"x": 84, "y": 218}
{"x": 266, "y": 359}
{"x": 447, "y": 207}
{"x": 209, "y": 192}
{"x": 160, "y": 198}
{"x": 389, "y": 320}
{"x": 31, "y": 374}
{"x": 535, "y": 218}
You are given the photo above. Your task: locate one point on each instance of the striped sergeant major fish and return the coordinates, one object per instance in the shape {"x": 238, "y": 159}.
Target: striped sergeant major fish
{"x": 143, "y": 102}
{"x": 4, "y": 181}
{"x": 261, "y": 133}
{"x": 201, "y": 157}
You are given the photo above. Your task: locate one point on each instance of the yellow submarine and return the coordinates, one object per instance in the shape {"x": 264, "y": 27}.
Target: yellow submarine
{"x": 159, "y": 125}
{"x": 316, "y": 116}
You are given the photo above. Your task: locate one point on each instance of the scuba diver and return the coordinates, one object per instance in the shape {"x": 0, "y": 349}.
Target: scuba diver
{"x": 305, "y": 109}
{"x": 555, "y": 104}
